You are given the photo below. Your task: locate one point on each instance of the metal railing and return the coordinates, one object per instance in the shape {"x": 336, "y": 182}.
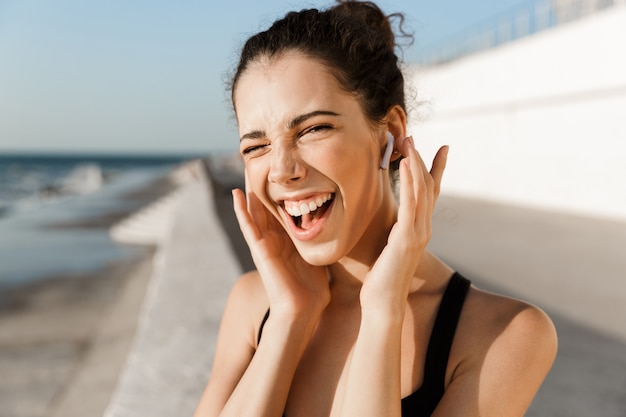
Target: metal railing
{"x": 524, "y": 20}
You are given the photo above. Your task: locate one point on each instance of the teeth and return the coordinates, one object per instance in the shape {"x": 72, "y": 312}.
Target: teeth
{"x": 295, "y": 208}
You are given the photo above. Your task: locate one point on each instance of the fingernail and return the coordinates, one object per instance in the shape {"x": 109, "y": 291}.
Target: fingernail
{"x": 445, "y": 150}
{"x": 410, "y": 140}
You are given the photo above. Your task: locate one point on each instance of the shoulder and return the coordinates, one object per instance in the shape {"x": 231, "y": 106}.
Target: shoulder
{"x": 248, "y": 286}
{"x": 249, "y": 291}
{"x": 498, "y": 318}
{"x": 507, "y": 344}
{"x": 247, "y": 304}
{"x": 236, "y": 341}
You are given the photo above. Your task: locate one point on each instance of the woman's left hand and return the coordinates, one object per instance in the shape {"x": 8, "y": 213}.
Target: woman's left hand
{"x": 387, "y": 284}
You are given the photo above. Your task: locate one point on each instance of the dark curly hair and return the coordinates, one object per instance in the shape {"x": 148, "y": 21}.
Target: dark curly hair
{"x": 353, "y": 38}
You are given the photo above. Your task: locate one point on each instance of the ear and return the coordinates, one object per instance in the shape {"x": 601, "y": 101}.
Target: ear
{"x": 394, "y": 122}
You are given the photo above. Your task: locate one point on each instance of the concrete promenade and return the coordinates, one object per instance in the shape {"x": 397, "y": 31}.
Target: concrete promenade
{"x": 570, "y": 266}
{"x": 168, "y": 366}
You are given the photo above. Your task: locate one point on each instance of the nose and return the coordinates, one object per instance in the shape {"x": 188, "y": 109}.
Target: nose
{"x": 286, "y": 166}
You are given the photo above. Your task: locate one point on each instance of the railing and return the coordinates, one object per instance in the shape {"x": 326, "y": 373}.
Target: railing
{"x": 526, "y": 19}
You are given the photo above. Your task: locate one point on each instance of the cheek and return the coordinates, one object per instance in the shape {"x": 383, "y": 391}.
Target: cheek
{"x": 256, "y": 180}
{"x": 356, "y": 167}
{"x": 362, "y": 185}
{"x": 339, "y": 161}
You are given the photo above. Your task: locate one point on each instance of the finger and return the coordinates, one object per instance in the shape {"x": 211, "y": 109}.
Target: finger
{"x": 418, "y": 167}
{"x": 420, "y": 175}
{"x": 439, "y": 165}
{"x": 406, "y": 145}
{"x": 239, "y": 204}
{"x": 413, "y": 151}
{"x": 424, "y": 196}
{"x": 406, "y": 211}
{"x": 246, "y": 223}
{"x": 257, "y": 211}
{"x": 247, "y": 187}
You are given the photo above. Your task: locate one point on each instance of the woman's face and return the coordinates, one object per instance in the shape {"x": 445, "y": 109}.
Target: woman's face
{"x": 311, "y": 156}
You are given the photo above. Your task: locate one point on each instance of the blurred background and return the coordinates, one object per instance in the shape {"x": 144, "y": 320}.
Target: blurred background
{"x": 110, "y": 110}
{"x": 148, "y": 76}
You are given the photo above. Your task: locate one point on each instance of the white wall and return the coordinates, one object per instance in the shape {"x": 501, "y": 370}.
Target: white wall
{"x": 538, "y": 122}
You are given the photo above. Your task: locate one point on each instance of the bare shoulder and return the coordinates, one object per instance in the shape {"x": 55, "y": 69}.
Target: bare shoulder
{"x": 491, "y": 316}
{"x": 236, "y": 342}
{"x": 249, "y": 286}
{"x": 507, "y": 345}
{"x": 247, "y": 303}
{"x": 249, "y": 289}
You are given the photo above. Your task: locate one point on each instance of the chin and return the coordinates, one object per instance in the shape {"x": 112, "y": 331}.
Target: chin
{"x": 319, "y": 254}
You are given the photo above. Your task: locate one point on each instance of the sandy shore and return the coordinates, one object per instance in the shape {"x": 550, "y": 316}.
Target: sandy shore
{"x": 48, "y": 331}
{"x": 64, "y": 339}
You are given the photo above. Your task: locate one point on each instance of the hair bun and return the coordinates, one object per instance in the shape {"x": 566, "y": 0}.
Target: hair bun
{"x": 370, "y": 15}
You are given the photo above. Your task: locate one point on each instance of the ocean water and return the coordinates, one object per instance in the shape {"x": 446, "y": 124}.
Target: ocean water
{"x": 41, "y": 195}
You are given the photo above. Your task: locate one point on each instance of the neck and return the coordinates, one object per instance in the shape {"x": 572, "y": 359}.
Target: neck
{"x": 357, "y": 263}
{"x": 347, "y": 276}
{"x": 348, "y": 273}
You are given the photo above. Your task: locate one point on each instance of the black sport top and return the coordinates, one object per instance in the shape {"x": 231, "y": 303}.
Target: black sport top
{"x": 423, "y": 402}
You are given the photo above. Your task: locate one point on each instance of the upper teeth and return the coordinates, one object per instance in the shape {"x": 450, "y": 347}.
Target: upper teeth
{"x": 295, "y": 208}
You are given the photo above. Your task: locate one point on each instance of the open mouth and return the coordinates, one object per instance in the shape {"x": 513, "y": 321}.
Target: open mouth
{"x": 306, "y": 213}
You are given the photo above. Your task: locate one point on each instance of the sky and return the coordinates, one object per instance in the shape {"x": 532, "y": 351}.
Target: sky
{"x": 148, "y": 76}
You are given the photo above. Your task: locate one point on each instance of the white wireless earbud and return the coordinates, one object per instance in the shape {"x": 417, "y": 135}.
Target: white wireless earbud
{"x": 384, "y": 163}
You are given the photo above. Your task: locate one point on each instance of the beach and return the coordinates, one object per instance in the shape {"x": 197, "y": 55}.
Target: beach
{"x": 68, "y": 334}
{"x": 134, "y": 340}
{"x": 51, "y": 329}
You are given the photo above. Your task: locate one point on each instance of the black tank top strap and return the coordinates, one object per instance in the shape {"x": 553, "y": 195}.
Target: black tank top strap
{"x": 422, "y": 403}
{"x": 267, "y": 316}
{"x": 443, "y": 331}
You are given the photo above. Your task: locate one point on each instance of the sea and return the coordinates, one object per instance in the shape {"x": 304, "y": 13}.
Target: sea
{"x": 43, "y": 195}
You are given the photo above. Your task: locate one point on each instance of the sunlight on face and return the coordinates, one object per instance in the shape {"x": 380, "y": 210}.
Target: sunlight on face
{"x": 311, "y": 156}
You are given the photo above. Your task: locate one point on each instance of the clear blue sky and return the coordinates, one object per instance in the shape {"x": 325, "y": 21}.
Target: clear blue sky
{"x": 147, "y": 76}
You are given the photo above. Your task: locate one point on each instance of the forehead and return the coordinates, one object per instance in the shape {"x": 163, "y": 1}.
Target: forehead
{"x": 284, "y": 68}
{"x": 273, "y": 89}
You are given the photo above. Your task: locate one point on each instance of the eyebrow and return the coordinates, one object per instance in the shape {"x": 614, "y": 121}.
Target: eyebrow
{"x": 256, "y": 134}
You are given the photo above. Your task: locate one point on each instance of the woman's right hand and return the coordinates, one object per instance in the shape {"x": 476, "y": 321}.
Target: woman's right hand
{"x": 296, "y": 289}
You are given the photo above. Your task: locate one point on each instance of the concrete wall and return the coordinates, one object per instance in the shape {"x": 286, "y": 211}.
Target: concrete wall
{"x": 538, "y": 122}
{"x": 194, "y": 268}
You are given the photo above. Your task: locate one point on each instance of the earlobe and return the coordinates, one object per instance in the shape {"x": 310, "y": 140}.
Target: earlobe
{"x": 384, "y": 163}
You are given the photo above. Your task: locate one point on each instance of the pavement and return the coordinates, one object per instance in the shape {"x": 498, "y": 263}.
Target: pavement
{"x": 170, "y": 360}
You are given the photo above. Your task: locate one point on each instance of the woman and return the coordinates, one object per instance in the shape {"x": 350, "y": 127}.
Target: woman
{"x": 348, "y": 313}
